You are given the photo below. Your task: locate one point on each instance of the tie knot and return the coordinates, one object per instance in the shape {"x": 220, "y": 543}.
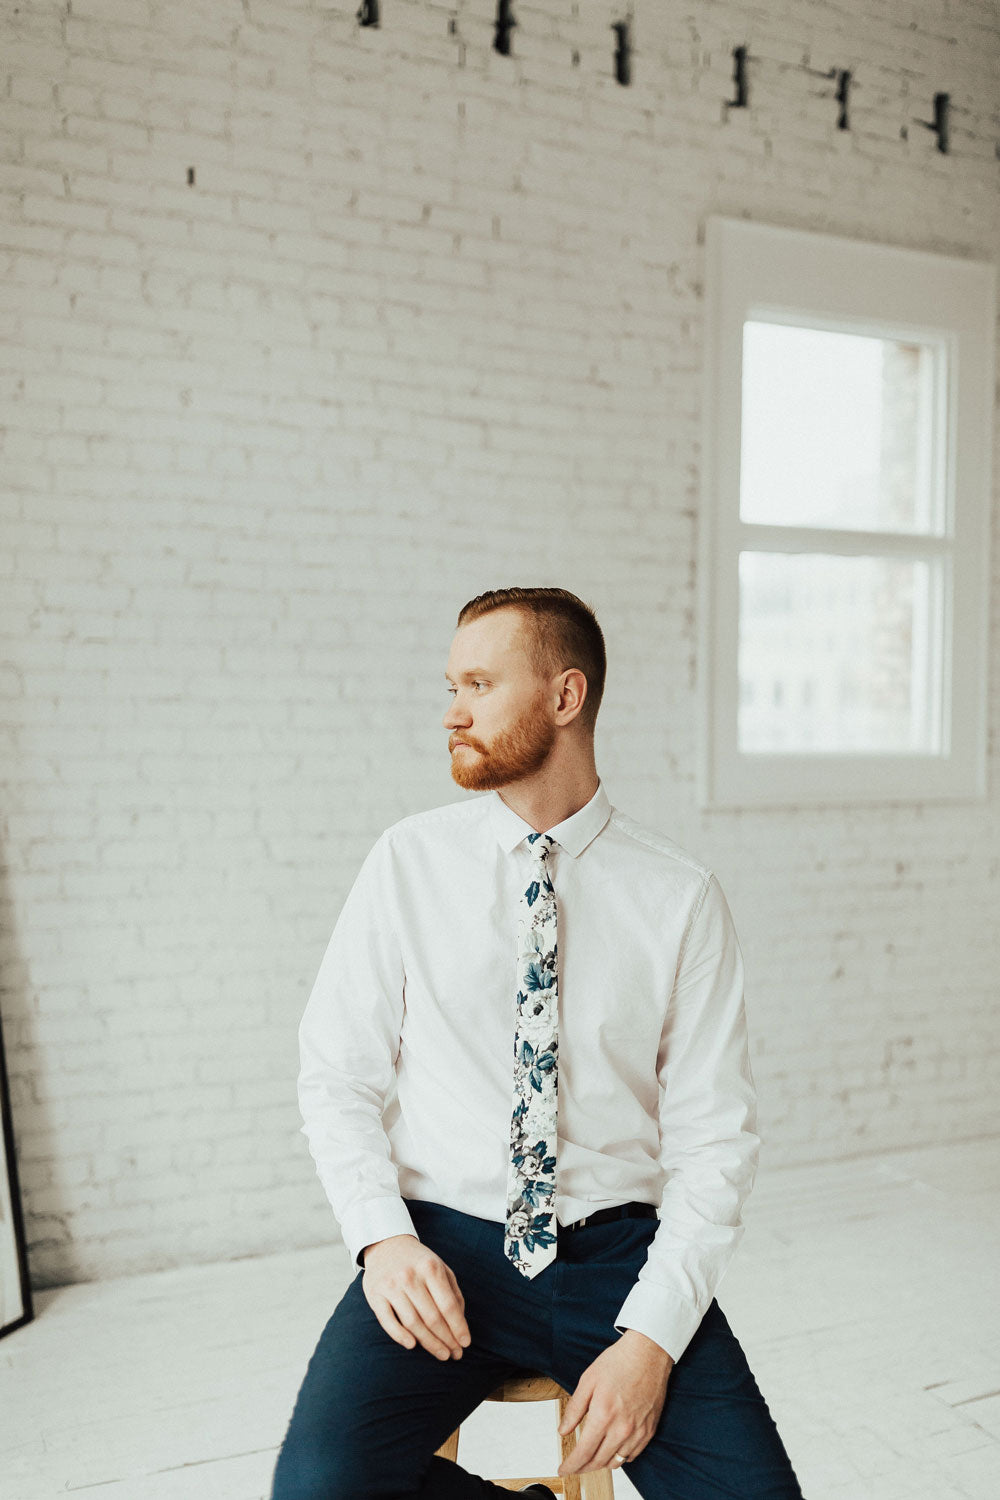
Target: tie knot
{"x": 541, "y": 844}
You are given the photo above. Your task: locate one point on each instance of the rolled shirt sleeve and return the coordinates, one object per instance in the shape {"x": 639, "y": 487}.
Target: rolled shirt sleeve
{"x": 708, "y": 1142}
{"x": 349, "y": 1039}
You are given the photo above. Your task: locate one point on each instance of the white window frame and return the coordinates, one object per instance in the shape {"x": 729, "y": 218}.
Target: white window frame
{"x": 761, "y": 271}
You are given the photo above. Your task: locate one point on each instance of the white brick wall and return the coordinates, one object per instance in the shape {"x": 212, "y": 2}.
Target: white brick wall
{"x": 429, "y": 321}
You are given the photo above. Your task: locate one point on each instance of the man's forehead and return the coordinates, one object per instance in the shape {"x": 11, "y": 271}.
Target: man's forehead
{"x": 493, "y": 640}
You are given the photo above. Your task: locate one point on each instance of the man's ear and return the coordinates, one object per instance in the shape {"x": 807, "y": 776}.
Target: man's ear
{"x": 574, "y": 690}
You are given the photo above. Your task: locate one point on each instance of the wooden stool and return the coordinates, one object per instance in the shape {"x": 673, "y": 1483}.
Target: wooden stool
{"x": 527, "y": 1385}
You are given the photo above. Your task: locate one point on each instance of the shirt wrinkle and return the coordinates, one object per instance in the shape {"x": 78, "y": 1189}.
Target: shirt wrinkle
{"x": 692, "y": 920}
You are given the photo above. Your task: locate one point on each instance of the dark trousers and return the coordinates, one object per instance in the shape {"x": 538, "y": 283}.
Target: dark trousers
{"x": 370, "y": 1413}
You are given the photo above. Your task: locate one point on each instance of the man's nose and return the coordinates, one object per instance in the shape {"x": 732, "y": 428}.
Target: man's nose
{"x": 455, "y": 716}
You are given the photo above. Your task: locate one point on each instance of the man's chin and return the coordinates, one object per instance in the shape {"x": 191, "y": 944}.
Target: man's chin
{"x": 475, "y": 778}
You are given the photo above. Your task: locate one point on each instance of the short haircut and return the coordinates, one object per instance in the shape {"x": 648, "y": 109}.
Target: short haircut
{"x": 560, "y": 631}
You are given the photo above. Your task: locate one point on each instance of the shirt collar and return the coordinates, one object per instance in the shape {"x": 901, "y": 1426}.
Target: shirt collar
{"x": 573, "y": 834}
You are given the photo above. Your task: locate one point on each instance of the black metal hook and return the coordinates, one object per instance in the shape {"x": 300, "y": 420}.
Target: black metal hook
{"x": 941, "y": 121}
{"x": 505, "y": 25}
{"x": 623, "y": 51}
{"x": 740, "y": 55}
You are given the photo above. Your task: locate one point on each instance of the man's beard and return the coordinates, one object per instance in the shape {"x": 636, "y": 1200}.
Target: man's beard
{"x": 513, "y": 753}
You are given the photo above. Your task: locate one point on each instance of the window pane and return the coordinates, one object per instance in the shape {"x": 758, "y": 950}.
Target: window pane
{"x": 835, "y": 654}
{"x": 836, "y": 430}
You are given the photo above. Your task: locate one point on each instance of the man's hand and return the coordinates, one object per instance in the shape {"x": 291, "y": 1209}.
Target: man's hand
{"x": 622, "y": 1394}
{"x": 415, "y": 1296}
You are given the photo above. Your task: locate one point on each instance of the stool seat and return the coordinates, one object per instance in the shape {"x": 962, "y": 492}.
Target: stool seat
{"x": 531, "y": 1385}
{"x": 527, "y": 1385}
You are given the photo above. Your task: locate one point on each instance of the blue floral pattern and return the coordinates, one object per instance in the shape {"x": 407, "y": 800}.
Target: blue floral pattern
{"x": 530, "y": 1236}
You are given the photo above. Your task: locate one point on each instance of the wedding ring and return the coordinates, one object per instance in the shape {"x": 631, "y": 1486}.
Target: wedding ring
{"x": 621, "y": 1458}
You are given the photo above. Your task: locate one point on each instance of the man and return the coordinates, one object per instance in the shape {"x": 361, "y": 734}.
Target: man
{"x": 556, "y": 1184}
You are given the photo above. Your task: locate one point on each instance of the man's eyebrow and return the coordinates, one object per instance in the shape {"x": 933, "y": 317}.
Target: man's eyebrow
{"x": 472, "y": 672}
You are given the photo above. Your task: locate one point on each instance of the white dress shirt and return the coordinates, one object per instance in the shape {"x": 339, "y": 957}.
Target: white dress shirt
{"x": 417, "y": 987}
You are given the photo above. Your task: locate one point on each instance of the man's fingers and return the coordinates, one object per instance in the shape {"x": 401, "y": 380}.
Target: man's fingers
{"x": 448, "y": 1296}
{"x": 588, "y": 1441}
{"x": 411, "y": 1316}
{"x": 597, "y": 1449}
{"x": 393, "y": 1327}
{"x": 428, "y": 1311}
{"x": 415, "y": 1296}
{"x": 576, "y": 1409}
{"x": 403, "y": 1323}
{"x": 604, "y": 1457}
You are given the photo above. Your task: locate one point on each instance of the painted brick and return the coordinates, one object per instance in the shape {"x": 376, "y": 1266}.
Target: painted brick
{"x": 264, "y": 434}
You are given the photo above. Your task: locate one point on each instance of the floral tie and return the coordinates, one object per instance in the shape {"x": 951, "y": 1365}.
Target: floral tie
{"x": 529, "y": 1242}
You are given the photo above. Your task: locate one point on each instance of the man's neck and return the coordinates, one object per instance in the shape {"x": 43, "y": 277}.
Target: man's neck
{"x": 545, "y": 804}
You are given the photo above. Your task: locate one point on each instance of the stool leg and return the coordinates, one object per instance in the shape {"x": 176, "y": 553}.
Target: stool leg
{"x": 449, "y": 1448}
{"x": 567, "y": 1442}
{"x": 598, "y": 1485}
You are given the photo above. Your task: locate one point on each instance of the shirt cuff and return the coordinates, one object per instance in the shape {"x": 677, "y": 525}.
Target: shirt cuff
{"x": 667, "y": 1319}
{"x": 376, "y": 1219}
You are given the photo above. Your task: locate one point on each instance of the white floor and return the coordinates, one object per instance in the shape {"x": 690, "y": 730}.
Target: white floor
{"x": 864, "y": 1293}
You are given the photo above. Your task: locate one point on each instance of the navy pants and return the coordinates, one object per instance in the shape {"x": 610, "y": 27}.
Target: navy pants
{"x": 370, "y": 1413}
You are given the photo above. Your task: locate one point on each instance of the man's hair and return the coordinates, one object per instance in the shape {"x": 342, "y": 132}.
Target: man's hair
{"x": 559, "y": 631}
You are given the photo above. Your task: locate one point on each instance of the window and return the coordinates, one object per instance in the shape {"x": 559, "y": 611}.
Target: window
{"x": 844, "y": 533}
